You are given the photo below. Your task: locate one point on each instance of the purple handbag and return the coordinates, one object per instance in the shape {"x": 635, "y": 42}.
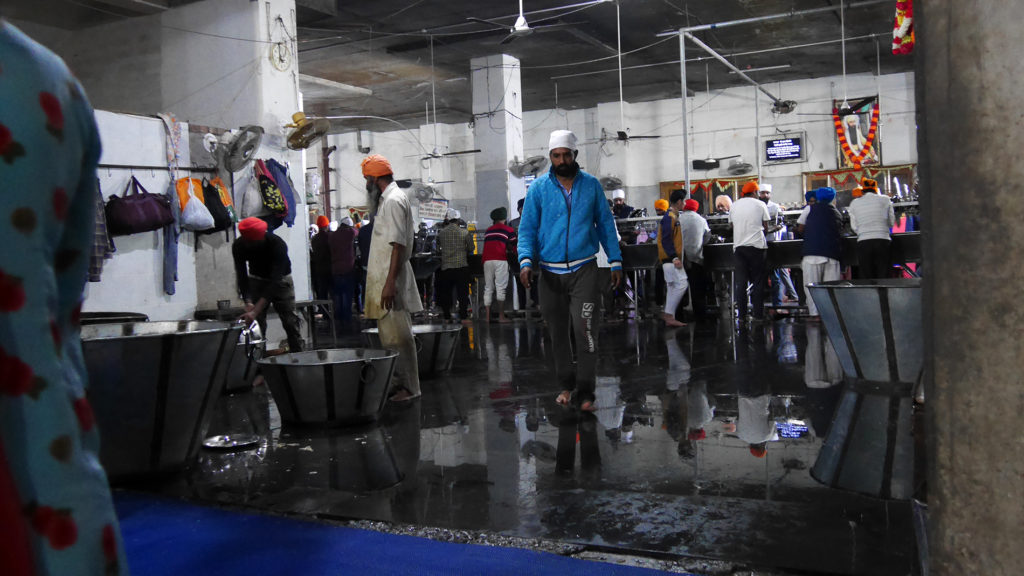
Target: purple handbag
{"x": 137, "y": 211}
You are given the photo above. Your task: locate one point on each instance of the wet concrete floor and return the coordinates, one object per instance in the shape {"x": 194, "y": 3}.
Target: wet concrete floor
{"x": 669, "y": 465}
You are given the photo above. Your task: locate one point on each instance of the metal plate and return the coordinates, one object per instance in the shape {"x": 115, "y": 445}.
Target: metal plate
{"x": 232, "y": 442}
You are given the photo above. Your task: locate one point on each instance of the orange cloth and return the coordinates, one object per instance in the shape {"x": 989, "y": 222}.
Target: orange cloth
{"x": 322, "y": 221}
{"x": 751, "y": 188}
{"x": 376, "y": 165}
{"x": 661, "y": 204}
{"x": 252, "y": 228}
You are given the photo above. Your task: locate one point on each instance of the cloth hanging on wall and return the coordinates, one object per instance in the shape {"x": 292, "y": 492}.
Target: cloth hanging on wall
{"x": 284, "y": 184}
{"x": 102, "y": 244}
{"x": 172, "y": 130}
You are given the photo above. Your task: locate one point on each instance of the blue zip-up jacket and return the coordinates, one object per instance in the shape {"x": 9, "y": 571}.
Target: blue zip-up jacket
{"x": 548, "y": 217}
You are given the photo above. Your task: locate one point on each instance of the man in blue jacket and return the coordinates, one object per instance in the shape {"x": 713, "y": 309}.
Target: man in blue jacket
{"x": 564, "y": 219}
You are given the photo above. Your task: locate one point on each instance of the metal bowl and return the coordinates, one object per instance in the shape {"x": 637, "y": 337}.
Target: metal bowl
{"x": 152, "y": 385}
{"x": 435, "y": 346}
{"x": 330, "y": 387}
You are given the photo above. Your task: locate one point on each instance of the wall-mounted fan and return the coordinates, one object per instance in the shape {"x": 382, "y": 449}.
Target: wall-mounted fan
{"x": 530, "y": 167}
{"x": 234, "y": 150}
{"x": 611, "y": 183}
{"x": 522, "y": 27}
{"x": 737, "y": 167}
{"x": 711, "y": 163}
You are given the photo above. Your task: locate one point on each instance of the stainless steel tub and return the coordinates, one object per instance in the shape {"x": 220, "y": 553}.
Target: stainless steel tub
{"x": 877, "y": 332}
{"x": 330, "y": 387}
{"x": 241, "y": 370}
{"x": 435, "y": 346}
{"x": 152, "y": 385}
{"x": 89, "y": 318}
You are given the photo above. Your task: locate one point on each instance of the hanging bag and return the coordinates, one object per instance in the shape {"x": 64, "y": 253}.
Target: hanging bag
{"x": 137, "y": 211}
{"x": 273, "y": 200}
{"x": 195, "y": 216}
{"x": 225, "y": 197}
{"x": 222, "y": 219}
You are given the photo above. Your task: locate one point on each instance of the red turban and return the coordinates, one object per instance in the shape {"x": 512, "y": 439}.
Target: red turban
{"x": 758, "y": 451}
{"x": 696, "y": 435}
{"x": 751, "y": 188}
{"x": 252, "y": 229}
{"x": 376, "y": 165}
{"x": 691, "y": 205}
{"x": 322, "y": 221}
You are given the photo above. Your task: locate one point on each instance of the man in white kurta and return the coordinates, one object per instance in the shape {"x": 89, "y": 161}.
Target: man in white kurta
{"x": 391, "y": 295}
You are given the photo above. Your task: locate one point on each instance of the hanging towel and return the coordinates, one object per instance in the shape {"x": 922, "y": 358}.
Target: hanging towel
{"x": 102, "y": 244}
{"x": 284, "y": 184}
{"x": 172, "y": 129}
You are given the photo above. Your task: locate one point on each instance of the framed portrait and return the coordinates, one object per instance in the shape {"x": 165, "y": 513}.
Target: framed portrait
{"x": 856, "y": 133}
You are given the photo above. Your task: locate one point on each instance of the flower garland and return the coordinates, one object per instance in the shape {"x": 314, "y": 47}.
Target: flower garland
{"x": 845, "y": 145}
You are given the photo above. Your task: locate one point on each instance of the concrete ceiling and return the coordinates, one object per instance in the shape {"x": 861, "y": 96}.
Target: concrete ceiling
{"x": 385, "y": 46}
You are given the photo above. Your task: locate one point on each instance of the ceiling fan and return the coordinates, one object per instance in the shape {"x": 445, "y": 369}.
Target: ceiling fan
{"x": 522, "y": 27}
{"x": 711, "y": 162}
{"x": 846, "y": 108}
{"x": 622, "y": 134}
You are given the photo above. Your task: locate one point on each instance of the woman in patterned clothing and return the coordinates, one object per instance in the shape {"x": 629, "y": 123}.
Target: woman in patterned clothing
{"x": 55, "y": 503}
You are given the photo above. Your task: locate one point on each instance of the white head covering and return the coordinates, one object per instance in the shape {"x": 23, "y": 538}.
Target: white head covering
{"x": 618, "y": 193}
{"x": 453, "y": 214}
{"x": 765, "y": 188}
{"x": 347, "y": 221}
{"x": 562, "y": 139}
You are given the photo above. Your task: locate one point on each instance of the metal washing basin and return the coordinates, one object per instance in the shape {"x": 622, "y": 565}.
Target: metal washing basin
{"x": 330, "y": 387}
{"x": 435, "y": 346}
{"x": 151, "y": 385}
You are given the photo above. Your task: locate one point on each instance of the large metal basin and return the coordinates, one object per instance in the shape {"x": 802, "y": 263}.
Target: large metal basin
{"x": 242, "y": 368}
{"x": 876, "y": 329}
{"x": 152, "y": 385}
{"x": 89, "y": 318}
{"x": 330, "y": 387}
{"x": 435, "y": 346}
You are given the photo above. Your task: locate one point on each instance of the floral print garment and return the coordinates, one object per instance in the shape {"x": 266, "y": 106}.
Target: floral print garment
{"x": 55, "y": 503}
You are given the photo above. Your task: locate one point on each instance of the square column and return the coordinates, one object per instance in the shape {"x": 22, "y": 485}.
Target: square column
{"x": 498, "y": 133}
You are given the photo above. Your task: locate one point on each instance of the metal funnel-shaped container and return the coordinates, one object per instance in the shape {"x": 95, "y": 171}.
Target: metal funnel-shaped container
{"x": 330, "y": 387}
{"x": 875, "y": 327}
{"x": 152, "y": 385}
{"x": 435, "y": 346}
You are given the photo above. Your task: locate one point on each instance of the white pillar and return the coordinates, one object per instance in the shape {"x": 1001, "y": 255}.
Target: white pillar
{"x": 498, "y": 133}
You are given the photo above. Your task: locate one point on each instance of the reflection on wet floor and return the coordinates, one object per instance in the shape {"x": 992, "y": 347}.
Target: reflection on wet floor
{"x": 702, "y": 445}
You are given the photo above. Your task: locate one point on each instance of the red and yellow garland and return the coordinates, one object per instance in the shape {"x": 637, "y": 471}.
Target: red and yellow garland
{"x": 841, "y": 132}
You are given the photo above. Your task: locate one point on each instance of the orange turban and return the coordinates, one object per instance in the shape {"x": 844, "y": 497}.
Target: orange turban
{"x": 869, "y": 183}
{"x": 376, "y": 165}
{"x": 322, "y": 221}
{"x": 858, "y": 192}
{"x": 252, "y": 228}
{"x": 691, "y": 205}
{"x": 751, "y": 188}
{"x": 661, "y": 204}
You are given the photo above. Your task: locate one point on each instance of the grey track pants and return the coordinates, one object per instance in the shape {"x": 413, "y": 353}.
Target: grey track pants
{"x": 571, "y": 300}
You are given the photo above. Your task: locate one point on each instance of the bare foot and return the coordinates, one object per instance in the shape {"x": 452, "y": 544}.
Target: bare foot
{"x": 564, "y": 398}
{"x": 671, "y": 321}
{"x": 402, "y": 395}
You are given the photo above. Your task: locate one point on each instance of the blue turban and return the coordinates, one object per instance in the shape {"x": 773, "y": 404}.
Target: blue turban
{"x": 810, "y": 195}
{"x": 825, "y": 195}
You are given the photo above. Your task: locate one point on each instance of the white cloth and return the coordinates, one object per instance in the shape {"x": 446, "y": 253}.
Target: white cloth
{"x": 396, "y": 333}
{"x": 802, "y": 219}
{"x": 393, "y": 224}
{"x": 495, "y": 279}
{"x": 562, "y": 139}
{"x": 871, "y": 216}
{"x": 618, "y": 193}
{"x": 821, "y": 364}
{"x": 818, "y": 272}
{"x": 774, "y": 212}
{"x": 679, "y": 368}
{"x": 748, "y": 215}
{"x": 695, "y": 232}
{"x": 675, "y": 286}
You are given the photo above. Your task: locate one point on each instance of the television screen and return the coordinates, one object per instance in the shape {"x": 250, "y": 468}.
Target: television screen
{"x": 786, "y": 148}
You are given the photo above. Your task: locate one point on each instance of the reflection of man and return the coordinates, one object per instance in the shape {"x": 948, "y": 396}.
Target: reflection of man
{"x": 391, "y": 295}
{"x": 263, "y": 272}
{"x": 565, "y": 248}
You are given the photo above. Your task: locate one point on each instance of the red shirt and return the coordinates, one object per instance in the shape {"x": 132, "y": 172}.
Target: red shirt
{"x": 496, "y": 241}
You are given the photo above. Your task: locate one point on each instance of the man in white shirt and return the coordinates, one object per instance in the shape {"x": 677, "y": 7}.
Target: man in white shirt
{"x": 749, "y": 218}
{"x": 871, "y": 217}
{"x": 696, "y": 233}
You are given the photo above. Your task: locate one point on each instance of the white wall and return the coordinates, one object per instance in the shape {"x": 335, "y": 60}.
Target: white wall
{"x": 132, "y": 281}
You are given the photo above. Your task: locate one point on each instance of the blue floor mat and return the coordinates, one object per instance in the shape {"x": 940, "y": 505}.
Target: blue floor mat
{"x": 174, "y": 538}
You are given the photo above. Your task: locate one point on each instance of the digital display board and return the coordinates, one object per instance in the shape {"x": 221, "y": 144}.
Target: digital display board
{"x": 784, "y": 148}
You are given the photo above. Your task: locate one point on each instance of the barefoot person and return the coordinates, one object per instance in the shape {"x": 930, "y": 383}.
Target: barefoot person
{"x": 391, "y": 295}
{"x": 564, "y": 219}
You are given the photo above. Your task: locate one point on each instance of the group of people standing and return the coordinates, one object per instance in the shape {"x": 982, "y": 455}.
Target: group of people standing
{"x": 338, "y": 261}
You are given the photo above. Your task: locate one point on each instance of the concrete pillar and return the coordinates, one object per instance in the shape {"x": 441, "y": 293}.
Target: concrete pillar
{"x": 498, "y": 133}
{"x": 970, "y": 81}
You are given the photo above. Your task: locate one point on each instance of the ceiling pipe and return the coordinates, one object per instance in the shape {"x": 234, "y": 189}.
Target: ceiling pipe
{"x": 730, "y": 55}
{"x": 686, "y": 132}
{"x": 728, "y": 64}
{"x": 790, "y": 14}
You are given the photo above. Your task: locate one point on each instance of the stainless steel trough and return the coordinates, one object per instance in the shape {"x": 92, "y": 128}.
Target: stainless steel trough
{"x": 241, "y": 371}
{"x": 330, "y": 387}
{"x": 152, "y": 385}
{"x": 875, "y": 327}
{"x": 435, "y": 346}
